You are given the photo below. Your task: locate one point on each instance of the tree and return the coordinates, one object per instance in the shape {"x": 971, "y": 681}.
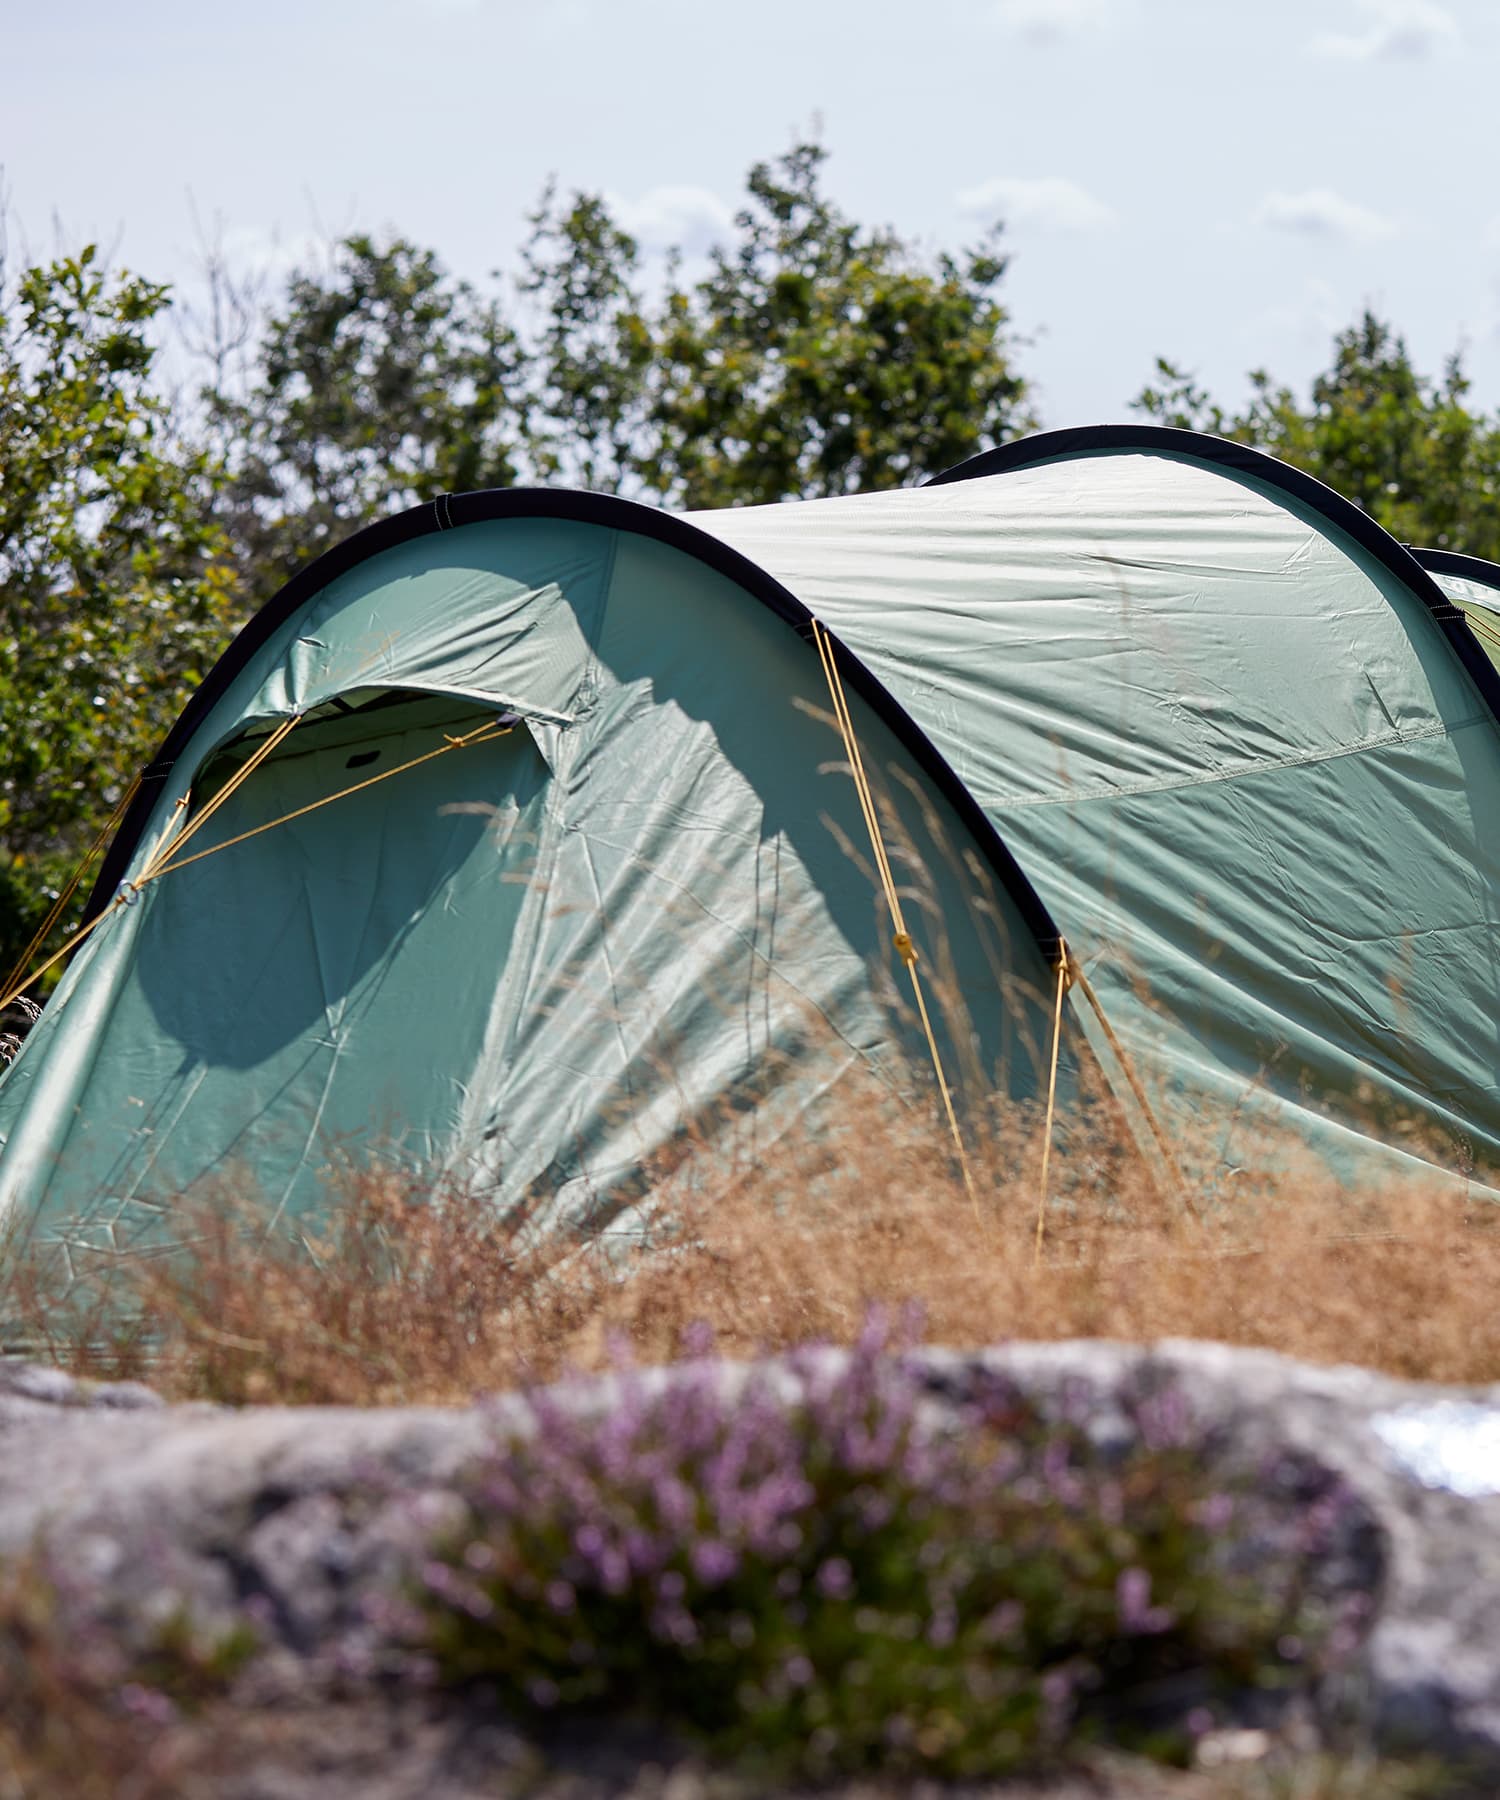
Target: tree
{"x": 822, "y": 357}
{"x": 1400, "y": 444}
{"x": 591, "y": 347}
{"x": 115, "y": 591}
{"x": 816, "y": 356}
{"x": 380, "y": 382}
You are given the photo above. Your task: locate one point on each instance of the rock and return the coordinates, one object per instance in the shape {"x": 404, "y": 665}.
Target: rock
{"x": 306, "y": 1517}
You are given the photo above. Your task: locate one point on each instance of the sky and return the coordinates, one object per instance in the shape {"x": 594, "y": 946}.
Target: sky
{"x": 1223, "y": 182}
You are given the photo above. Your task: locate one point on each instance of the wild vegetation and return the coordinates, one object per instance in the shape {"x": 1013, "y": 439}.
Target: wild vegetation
{"x": 800, "y": 1581}
{"x": 787, "y": 1584}
{"x": 414, "y": 1291}
{"x": 779, "y": 1581}
{"x": 821, "y": 1585}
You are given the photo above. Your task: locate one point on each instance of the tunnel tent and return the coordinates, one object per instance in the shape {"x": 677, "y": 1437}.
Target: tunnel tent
{"x": 1473, "y": 585}
{"x": 1144, "y": 691}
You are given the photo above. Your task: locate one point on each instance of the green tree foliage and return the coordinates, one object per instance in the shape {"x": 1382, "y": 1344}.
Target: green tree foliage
{"x": 1402, "y": 445}
{"x": 814, "y": 356}
{"x": 380, "y": 381}
{"x": 822, "y": 357}
{"x": 114, "y": 590}
{"x": 590, "y": 348}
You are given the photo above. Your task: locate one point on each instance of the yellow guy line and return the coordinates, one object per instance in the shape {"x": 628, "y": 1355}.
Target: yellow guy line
{"x": 235, "y": 782}
{"x": 162, "y": 861}
{"x": 906, "y": 949}
{"x": 482, "y": 734}
{"x": 1118, "y": 1048}
{"x": 19, "y": 987}
{"x": 1064, "y": 982}
{"x": 44, "y": 930}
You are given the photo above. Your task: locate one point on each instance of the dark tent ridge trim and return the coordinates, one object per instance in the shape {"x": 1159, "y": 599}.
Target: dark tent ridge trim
{"x": 450, "y": 511}
{"x": 1461, "y": 564}
{"x": 1343, "y": 515}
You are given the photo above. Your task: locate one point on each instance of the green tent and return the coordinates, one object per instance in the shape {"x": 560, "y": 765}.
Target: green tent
{"x": 1138, "y": 689}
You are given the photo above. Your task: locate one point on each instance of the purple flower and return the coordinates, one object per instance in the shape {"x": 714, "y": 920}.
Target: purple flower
{"x": 147, "y": 1703}
{"x": 1216, "y": 1512}
{"x": 835, "y": 1579}
{"x": 714, "y": 1562}
{"x": 614, "y": 1571}
{"x": 1163, "y": 1419}
{"x": 1002, "y": 1622}
{"x": 1137, "y": 1616}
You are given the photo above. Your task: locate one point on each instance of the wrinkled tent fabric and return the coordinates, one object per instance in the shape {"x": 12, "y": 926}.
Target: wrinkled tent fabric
{"x": 1138, "y": 696}
{"x": 1236, "y": 756}
{"x": 634, "y": 922}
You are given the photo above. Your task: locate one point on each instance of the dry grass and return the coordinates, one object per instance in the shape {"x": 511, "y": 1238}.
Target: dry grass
{"x": 411, "y": 1294}
{"x": 1402, "y": 1281}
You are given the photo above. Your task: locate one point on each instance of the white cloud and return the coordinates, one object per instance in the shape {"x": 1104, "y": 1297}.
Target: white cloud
{"x": 1320, "y": 212}
{"x": 1310, "y": 317}
{"x": 1049, "y": 21}
{"x": 253, "y": 249}
{"x": 1402, "y": 30}
{"x": 1049, "y": 203}
{"x": 690, "y": 219}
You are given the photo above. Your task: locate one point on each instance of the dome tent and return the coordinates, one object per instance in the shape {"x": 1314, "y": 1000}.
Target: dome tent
{"x": 1141, "y": 689}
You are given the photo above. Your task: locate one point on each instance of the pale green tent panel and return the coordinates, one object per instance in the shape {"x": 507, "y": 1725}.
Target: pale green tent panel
{"x": 1235, "y": 753}
{"x": 544, "y": 960}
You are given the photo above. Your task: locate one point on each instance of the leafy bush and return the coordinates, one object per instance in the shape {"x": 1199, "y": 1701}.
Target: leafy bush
{"x": 815, "y": 1573}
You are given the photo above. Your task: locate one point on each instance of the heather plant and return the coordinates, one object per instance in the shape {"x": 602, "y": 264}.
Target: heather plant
{"x": 96, "y": 1712}
{"x": 815, "y": 1572}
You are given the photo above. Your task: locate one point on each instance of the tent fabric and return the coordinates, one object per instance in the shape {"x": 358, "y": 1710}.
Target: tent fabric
{"x": 539, "y": 963}
{"x": 1235, "y": 755}
{"x": 1125, "y": 688}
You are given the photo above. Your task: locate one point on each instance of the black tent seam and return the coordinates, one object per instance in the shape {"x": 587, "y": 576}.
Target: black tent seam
{"x": 1460, "y": 563}
{"x": 608, "y": 512}
{"x": 1343, "y": 515}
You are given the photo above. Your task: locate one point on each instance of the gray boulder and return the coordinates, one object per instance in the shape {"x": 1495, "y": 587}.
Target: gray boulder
{"x": 305, "y": 1518}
